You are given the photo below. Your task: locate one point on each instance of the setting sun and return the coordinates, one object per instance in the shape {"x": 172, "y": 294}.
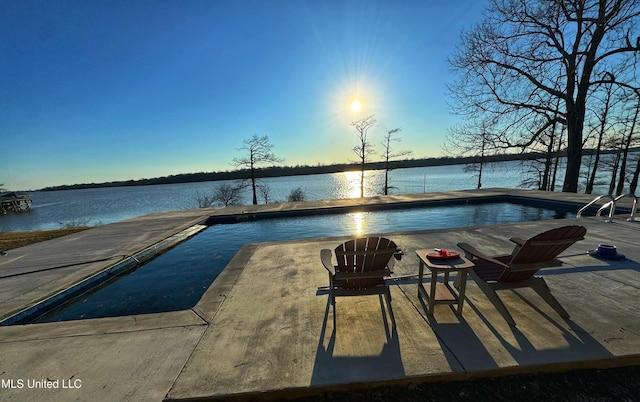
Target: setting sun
{"x": 356, "y": 106}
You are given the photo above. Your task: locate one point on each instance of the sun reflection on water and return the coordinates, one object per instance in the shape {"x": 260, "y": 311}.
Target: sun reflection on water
{"x": 347, "y": 184}
{"x": 352, "y": 184}
{"x": 359, "y": 222}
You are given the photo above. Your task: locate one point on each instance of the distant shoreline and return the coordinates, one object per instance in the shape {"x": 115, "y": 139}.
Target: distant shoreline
{"x": 280, "y": 171}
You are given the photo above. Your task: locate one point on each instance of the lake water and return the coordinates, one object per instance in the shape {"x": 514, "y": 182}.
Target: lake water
{"x": 55, "y": 209}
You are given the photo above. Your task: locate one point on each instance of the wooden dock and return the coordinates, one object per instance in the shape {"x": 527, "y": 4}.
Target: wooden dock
{"x": 14, "y": 202}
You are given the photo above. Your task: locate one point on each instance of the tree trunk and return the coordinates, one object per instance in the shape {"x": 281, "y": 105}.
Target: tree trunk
{"x": 386, "y": 177}
{"x": 253, "y": 188}
{"x": 253, "y": 181}
{"x": 546, "y": 176}
{"x": 556, "y": 163}
{"x": 481, "y": 162}
{"x": 623, "y": 166}
{"x": 592, "y": 177}
{"x": 614, "y": 171}
{"x": 362, "y": 180}
{"x": 575, "y": 123}
{"x": 634, "y": 179}
{"x": 576, "y": 109}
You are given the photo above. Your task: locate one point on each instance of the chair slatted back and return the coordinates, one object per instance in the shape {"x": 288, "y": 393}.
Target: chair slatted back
{"x": 364, "y": 255}
{"x": 541, "y": 250}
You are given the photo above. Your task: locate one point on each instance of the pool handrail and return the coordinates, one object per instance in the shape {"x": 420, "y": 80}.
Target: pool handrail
{"x": 598, "y": 198}
{"x": 612, "y": 206}
{"x": 634, "y": 207}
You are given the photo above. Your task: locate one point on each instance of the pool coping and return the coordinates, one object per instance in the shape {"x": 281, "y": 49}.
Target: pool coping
{"x": 459, "y": 199}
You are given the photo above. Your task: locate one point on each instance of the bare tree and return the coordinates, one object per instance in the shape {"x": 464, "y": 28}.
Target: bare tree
{"x": 296, "y": 195}
{"x": 204, "y": 200}
{"x": 265, "y": 191}
{"x": 611, "y": 134}
{"x": 603, "y": 126}
{"x": 467, "y": 140}
{"x": 550, "y": 142}
{"x": 628, "y": 140}
{"x": 547, "y": 164}
{"x": 363, "y": 149}
{"x": 224, "y": 194}
{"x": 526, "y": 53}
{"x": 228, "y": 194}
{"x": 390, "y": 154}
{"x": 259, "y": 151}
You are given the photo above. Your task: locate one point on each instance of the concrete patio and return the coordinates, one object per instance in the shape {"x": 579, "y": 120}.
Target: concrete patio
{"x": 264, "y": 329}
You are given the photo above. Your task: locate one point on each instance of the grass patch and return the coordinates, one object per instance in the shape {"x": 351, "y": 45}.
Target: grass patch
{"x": 11, "y": 240}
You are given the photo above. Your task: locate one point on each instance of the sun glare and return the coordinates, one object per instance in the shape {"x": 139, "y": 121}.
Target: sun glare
{"x": 352, "y": 184}
{"x": 356, "y": 105}
{"x": 359, "y": 223}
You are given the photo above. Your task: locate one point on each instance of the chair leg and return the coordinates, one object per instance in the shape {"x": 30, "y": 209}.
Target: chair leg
{"x": 334, "y": 314}
{"x": 493, "y": 298}
{"x": 543, "y": 290}
{"x": 332, "y": 298}
{"x": 388, "y": 297}
{"x": 331, "y": 288}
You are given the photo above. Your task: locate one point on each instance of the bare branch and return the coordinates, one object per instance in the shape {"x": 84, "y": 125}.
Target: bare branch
{"x": 532, "y": 64}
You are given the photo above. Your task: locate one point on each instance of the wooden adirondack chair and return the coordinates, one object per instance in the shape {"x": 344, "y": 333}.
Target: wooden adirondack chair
{"x": 517, "y": 270}
{"x": 361, "y": 267}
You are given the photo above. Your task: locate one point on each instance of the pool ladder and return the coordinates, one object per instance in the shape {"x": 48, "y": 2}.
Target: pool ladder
{"x": 612, "y": 206}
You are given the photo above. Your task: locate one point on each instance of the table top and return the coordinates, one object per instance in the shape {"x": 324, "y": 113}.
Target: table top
{"x": 457, "y": 263}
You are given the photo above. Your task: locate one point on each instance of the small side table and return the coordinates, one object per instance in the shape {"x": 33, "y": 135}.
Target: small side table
{"x": 443, "y": 293}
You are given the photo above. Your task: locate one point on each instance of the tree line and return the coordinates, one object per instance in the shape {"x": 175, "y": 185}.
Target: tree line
{"x": 297, "y": 170}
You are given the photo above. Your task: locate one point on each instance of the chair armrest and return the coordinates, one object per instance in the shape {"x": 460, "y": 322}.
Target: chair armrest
{"x": 471, "y": 251}
{"x": 325, "y": 257}
{"x": 391, "y": 264}
{"x": 519, "y": 243}
{"x": 517, "y": 240}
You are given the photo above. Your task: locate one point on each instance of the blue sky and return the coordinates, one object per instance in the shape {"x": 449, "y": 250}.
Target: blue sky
{"x": 96, "y": 91}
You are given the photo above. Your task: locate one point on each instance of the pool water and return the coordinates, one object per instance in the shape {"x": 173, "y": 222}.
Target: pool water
{"x": 177, "y": 279}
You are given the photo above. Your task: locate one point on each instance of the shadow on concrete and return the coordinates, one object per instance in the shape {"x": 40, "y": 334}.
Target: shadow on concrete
{"x": 331, "y": 368}
{"x": 603, "y": 265}
{"x": 456, "y": 336}
{"x": 576, "y": 342}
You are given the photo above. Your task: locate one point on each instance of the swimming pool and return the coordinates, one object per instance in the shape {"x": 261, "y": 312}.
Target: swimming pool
{"x": 177, "y": 279}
